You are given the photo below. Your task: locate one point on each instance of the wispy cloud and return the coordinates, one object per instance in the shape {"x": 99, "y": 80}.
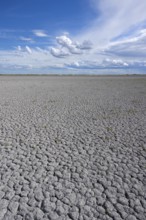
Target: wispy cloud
{"x": 21, "y": 50}
{"x": 28, "y": 39}
{"x": 134, "y": 47}
{"x": 28, "y": 50}
{"x": 40, "y": 33}
{"x": 114, "y": 18}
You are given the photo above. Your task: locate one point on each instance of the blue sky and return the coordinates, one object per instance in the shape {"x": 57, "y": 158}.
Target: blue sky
{"x": 73, "y": 36}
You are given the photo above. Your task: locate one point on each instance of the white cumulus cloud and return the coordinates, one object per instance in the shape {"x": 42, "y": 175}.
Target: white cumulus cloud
{"x": 59, "y": 53}
{"x": 64, "y": 41}
{"x": 73, "y": 47}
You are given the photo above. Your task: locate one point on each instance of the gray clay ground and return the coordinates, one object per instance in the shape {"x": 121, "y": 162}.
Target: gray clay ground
{"x": 72, "y": 148}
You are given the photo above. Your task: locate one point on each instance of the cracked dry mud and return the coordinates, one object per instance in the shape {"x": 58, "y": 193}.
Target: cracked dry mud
{"x": 72, "y": 148}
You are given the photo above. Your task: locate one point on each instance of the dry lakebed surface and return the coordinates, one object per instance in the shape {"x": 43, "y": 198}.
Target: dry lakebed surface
{"x": 72, "y": 147}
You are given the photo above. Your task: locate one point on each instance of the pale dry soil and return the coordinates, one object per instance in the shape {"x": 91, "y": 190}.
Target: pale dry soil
{"x": 72, "y": 148}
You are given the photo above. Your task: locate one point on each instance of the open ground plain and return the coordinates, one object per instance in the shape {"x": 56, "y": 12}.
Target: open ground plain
{"x": 72, "y": 147}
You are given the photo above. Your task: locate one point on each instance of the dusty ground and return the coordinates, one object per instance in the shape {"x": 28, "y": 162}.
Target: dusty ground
{"x": 72, "y": 148}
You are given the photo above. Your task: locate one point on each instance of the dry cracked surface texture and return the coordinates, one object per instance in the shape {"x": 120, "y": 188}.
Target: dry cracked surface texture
{"x": 72, "y": 148}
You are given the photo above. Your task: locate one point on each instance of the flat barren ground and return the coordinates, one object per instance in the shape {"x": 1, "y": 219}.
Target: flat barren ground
{"x": 72, "y": 148}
